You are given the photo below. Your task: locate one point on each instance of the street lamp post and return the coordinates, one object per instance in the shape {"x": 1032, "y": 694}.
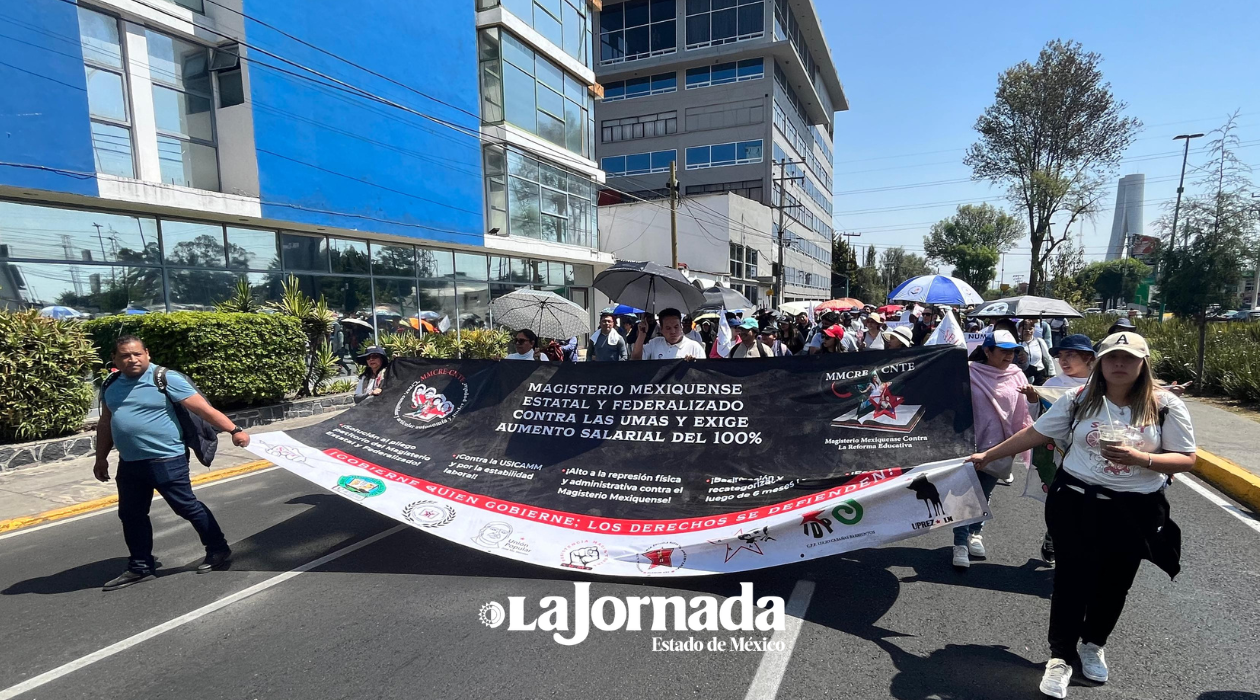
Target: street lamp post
{"x": 1181, "y": 186}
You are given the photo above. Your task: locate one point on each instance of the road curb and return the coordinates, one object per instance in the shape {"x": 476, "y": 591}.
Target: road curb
{"x": 48, "y": 516}
{"x": 1237, "y": 482}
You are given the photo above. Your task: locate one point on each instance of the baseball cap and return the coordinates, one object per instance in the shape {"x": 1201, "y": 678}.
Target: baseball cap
{"x": 749, "y": 323}
{"x": 1000, "y": 339}
{"x": 1124, "y": 341}
{"x": 1079, "y": 342}
{"x": 836, "y": 331}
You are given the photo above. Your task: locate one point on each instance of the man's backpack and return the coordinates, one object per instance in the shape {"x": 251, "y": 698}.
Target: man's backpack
{"x": 199, "y": 436}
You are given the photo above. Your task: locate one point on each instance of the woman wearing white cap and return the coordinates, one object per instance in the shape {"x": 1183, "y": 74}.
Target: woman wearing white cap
{"x": 1106, "y": 509}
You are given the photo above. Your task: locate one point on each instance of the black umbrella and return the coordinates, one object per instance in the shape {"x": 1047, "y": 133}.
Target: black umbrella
{"x": 646, "y": 285}
{"x": 1026, "y": 307}
{"x": 726, "y": 298}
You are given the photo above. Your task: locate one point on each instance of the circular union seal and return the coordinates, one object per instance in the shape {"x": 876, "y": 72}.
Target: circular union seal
{"x": 434, "y": 399}
{"x": 429, "y": 513}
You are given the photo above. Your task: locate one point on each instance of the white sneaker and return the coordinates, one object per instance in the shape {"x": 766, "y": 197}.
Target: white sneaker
{"x": 1055, "y": 681}
{"x": 975, "y": 546}
{"x": 1093, "y": 662}
{"x": 961, "y": 560}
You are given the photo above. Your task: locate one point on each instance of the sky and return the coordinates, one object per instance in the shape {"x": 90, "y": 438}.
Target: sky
{"x": 917, "y": 75}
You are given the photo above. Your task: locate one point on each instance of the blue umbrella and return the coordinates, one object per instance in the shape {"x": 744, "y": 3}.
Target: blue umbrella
{"x": 936, "y": 289}
{"x": 622, "y": 310}
{"x": 134, "y": 311}
{"x": 59, "y": 312}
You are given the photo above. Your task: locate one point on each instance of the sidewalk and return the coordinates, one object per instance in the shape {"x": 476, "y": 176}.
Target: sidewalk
{"x": 37, "y": 489}
{"x": 1226, "y": 434}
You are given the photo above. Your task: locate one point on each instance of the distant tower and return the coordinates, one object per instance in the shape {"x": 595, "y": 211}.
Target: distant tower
{"x": 1128, "y": 217}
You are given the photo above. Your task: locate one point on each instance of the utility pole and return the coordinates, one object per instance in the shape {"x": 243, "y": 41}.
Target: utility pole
{"x": 779, "y": 277}
{"x": 1181, "y": 187}
{"x": 673, "y": 211}
{"x": 847, "y": 272}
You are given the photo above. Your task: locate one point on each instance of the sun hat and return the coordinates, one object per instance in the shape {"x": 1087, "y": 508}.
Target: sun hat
{"x": 1079, "y": 342}
{"x": 1125, "y": 323}
{"x": 374, "y": 350}
{"x": 902, "y": 333}
{"x": 1124, "y": 341}
{"x": 876, "y": 317}
{"x": 1000, "y": 339}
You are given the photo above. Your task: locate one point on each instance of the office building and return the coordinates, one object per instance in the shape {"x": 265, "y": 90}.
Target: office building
{"x": 417, "y": 157}
{"x": 727, "y": 89}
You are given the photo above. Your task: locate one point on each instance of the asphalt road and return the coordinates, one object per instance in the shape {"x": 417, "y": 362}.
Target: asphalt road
{"x": 398, "y": 617}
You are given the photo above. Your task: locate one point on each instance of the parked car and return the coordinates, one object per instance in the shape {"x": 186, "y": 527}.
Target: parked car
{"x": 1118, "y": 312}
{"x": 1093, "y": 310}
{"x": 1253, "y": 315}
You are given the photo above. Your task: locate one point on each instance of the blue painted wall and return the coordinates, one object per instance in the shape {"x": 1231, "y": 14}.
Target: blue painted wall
{"x": 330, "y": 158}
{"x": 43, "y": 98}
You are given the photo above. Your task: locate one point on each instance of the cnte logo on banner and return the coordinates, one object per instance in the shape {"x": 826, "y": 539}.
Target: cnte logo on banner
{"x": 702, "y": 613}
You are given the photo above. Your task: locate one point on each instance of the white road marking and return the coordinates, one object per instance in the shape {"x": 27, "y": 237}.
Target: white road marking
{"x": 112, "y": 509}
{"x": 83, "y": 662}
{"x": 765, "y": 685}
{"x": 1225, "y": 505}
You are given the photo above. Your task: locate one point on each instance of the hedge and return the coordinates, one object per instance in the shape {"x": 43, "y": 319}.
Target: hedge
{"x": 44, "y": 368}
{"x": 1231, "y": 364}
{"x": 235, "y": 359}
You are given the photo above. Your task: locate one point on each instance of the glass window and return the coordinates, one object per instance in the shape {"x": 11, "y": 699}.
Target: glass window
{"x": 251, "y": 249}
{"x": 500, "y": 268}
{"x": 91, "y": 289}
{"x": 178, "y": 63}
{"x": 662, "y": 159}
{"x": 723, "y": 21}
{"x": 697, "y": 156}
{"x": 183, "y": 113}
{"x": 638, "y": 164}
{"x": 349, "y": 256}
{"x": 188, "y": 164}
{"x": 393, "y": 260}
{"x": 200, "y": 290}
{"x": 549, "y": 74}
{"x": 50, "y": 233}
{"x": 474, "y": 304}
{"x": 663, "y": 83}
{"x": 397, "y": 305}
{"x": 470, "y": 266}
{"x": 98, "y": 35}
{"x": 614, "y": 165}
{"x": 437, "y": 263}
{"x": 106, "y": 94}
{"x": 347, "y": 296}
{"x": 724, "y": 154}
{"x": 751, "y": 69}
{"x": 519, "y": 98}
{"x": 555, "y": 274}
{"x": 189, "y": 244}
{"x": 304, "y": 252}
{"x": 637, "y": 29}
{"x": 111, "y": 149}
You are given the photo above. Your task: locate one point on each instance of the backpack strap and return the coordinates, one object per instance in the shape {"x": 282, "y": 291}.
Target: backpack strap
{"x": 106, "y": 384}
{"x": 159, "y": 379}
{"x": 1073, "y": 421}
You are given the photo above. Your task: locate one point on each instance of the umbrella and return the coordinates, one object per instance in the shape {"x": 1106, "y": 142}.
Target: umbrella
{"x": 60, "y": 312}
{"x": 546, "y": 313}
{"x": 1026, "y": 307}
{"x": 889, "y": 308}
{"x": 622, "y": 310}
{"x": 839, "y": 305}
{"x": 356, "y": 322}
{"x": 726, "y": 298}
{"x": 936, "y": 289}
{"x": 431, "y": 316}
{"x": 134, "y": 311}
{"x": 649, "y": 286}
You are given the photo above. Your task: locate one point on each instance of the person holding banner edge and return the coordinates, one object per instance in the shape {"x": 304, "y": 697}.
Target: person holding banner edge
{"x": 1106, "y": 509}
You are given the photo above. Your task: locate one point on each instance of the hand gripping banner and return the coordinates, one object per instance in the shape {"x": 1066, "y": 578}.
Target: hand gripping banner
{"x": 667, "y": 468}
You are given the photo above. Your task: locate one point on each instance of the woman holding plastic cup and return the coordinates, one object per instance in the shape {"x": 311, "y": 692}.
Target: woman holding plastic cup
{"x": 1106, "y": 509}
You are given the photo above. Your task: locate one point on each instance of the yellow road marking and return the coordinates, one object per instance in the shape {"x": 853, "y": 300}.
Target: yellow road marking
{"x": 1234, "y": 480}
{"x": 99, "y": 503}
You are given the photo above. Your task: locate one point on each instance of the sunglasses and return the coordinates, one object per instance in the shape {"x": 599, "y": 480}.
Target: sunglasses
{"x": 520, "y": 340}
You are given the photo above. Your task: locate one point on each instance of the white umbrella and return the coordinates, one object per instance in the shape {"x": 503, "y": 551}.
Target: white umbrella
{"x": 546, "y": 313}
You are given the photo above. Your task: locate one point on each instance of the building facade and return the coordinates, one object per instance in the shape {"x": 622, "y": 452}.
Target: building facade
{"x": 1127, "y": 220}
{"x": 739, "y": 94}
{"x": 158, "y": 151}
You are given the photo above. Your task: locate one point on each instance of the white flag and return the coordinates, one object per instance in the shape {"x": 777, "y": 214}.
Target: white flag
{"x": 725, "y": 339}
{"x": 948, "y": 332}
{"x": 444, "y": 325}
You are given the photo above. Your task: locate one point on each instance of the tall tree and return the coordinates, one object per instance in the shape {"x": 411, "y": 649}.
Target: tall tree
{"x": 1116, "y": 281}
{"x": 1053, "y": 129}
{"x": 972, "y": 240}
{"x": 897, "y": 266}
{"x": 843, "y": 266}
{"x": 1065, "y": 277}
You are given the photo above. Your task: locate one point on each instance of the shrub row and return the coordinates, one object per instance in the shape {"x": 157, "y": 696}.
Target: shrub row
{"x": 234, "y": 359}
{"x": 44, "y": 368}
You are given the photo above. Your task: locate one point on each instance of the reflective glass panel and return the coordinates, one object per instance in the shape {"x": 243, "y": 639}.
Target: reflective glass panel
{"x": 188, "y": 244}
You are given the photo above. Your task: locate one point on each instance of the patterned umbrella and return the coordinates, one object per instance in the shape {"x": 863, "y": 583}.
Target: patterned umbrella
{"x": 546, "y": 313}
{"x": 1027, "y": 307}
{"x": 59, "y": 312}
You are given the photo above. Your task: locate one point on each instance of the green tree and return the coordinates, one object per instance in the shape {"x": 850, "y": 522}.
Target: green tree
{"x": 843, "y": 266}
{"x": 972, "y": 240}
{"x": 1053, "y": 129}
{"x": 1065, "y": 277}
{"x": 1116, "y": 281}
{"x": 897, "y": 266}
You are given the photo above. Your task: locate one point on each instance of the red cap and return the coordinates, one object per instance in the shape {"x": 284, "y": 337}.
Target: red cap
{"x": 835, "y": 331}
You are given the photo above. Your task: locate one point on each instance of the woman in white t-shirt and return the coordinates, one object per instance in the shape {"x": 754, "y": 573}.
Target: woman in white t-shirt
{"x": 525, "y": 342}
{"x": 1106, "y": 509}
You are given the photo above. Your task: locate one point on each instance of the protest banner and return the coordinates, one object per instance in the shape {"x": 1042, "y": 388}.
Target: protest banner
{"x": 658, "y": 468}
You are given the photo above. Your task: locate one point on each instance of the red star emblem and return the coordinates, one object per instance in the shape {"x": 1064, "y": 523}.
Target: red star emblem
{"x": 660, "y": 557}
{"x": 888, "y": 406}
{"x": 812, "y": 517}
{"x": 751, "y": 546}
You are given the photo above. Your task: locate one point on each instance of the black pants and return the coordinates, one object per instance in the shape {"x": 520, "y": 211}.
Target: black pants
{"x": 136, "y": 483}
{"x": 1097, "y": 553}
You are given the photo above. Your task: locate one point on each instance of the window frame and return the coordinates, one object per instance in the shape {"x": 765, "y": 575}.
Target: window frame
{"x": 651, "y": 30}
{"x": 737, "y": 160}
{"x": 737, "y": 65}
{"x": 125, "y": 75}
{"x": 747, "y": 36}
{"x": 626, "y": 172}
{"x": 159, "y": 82}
